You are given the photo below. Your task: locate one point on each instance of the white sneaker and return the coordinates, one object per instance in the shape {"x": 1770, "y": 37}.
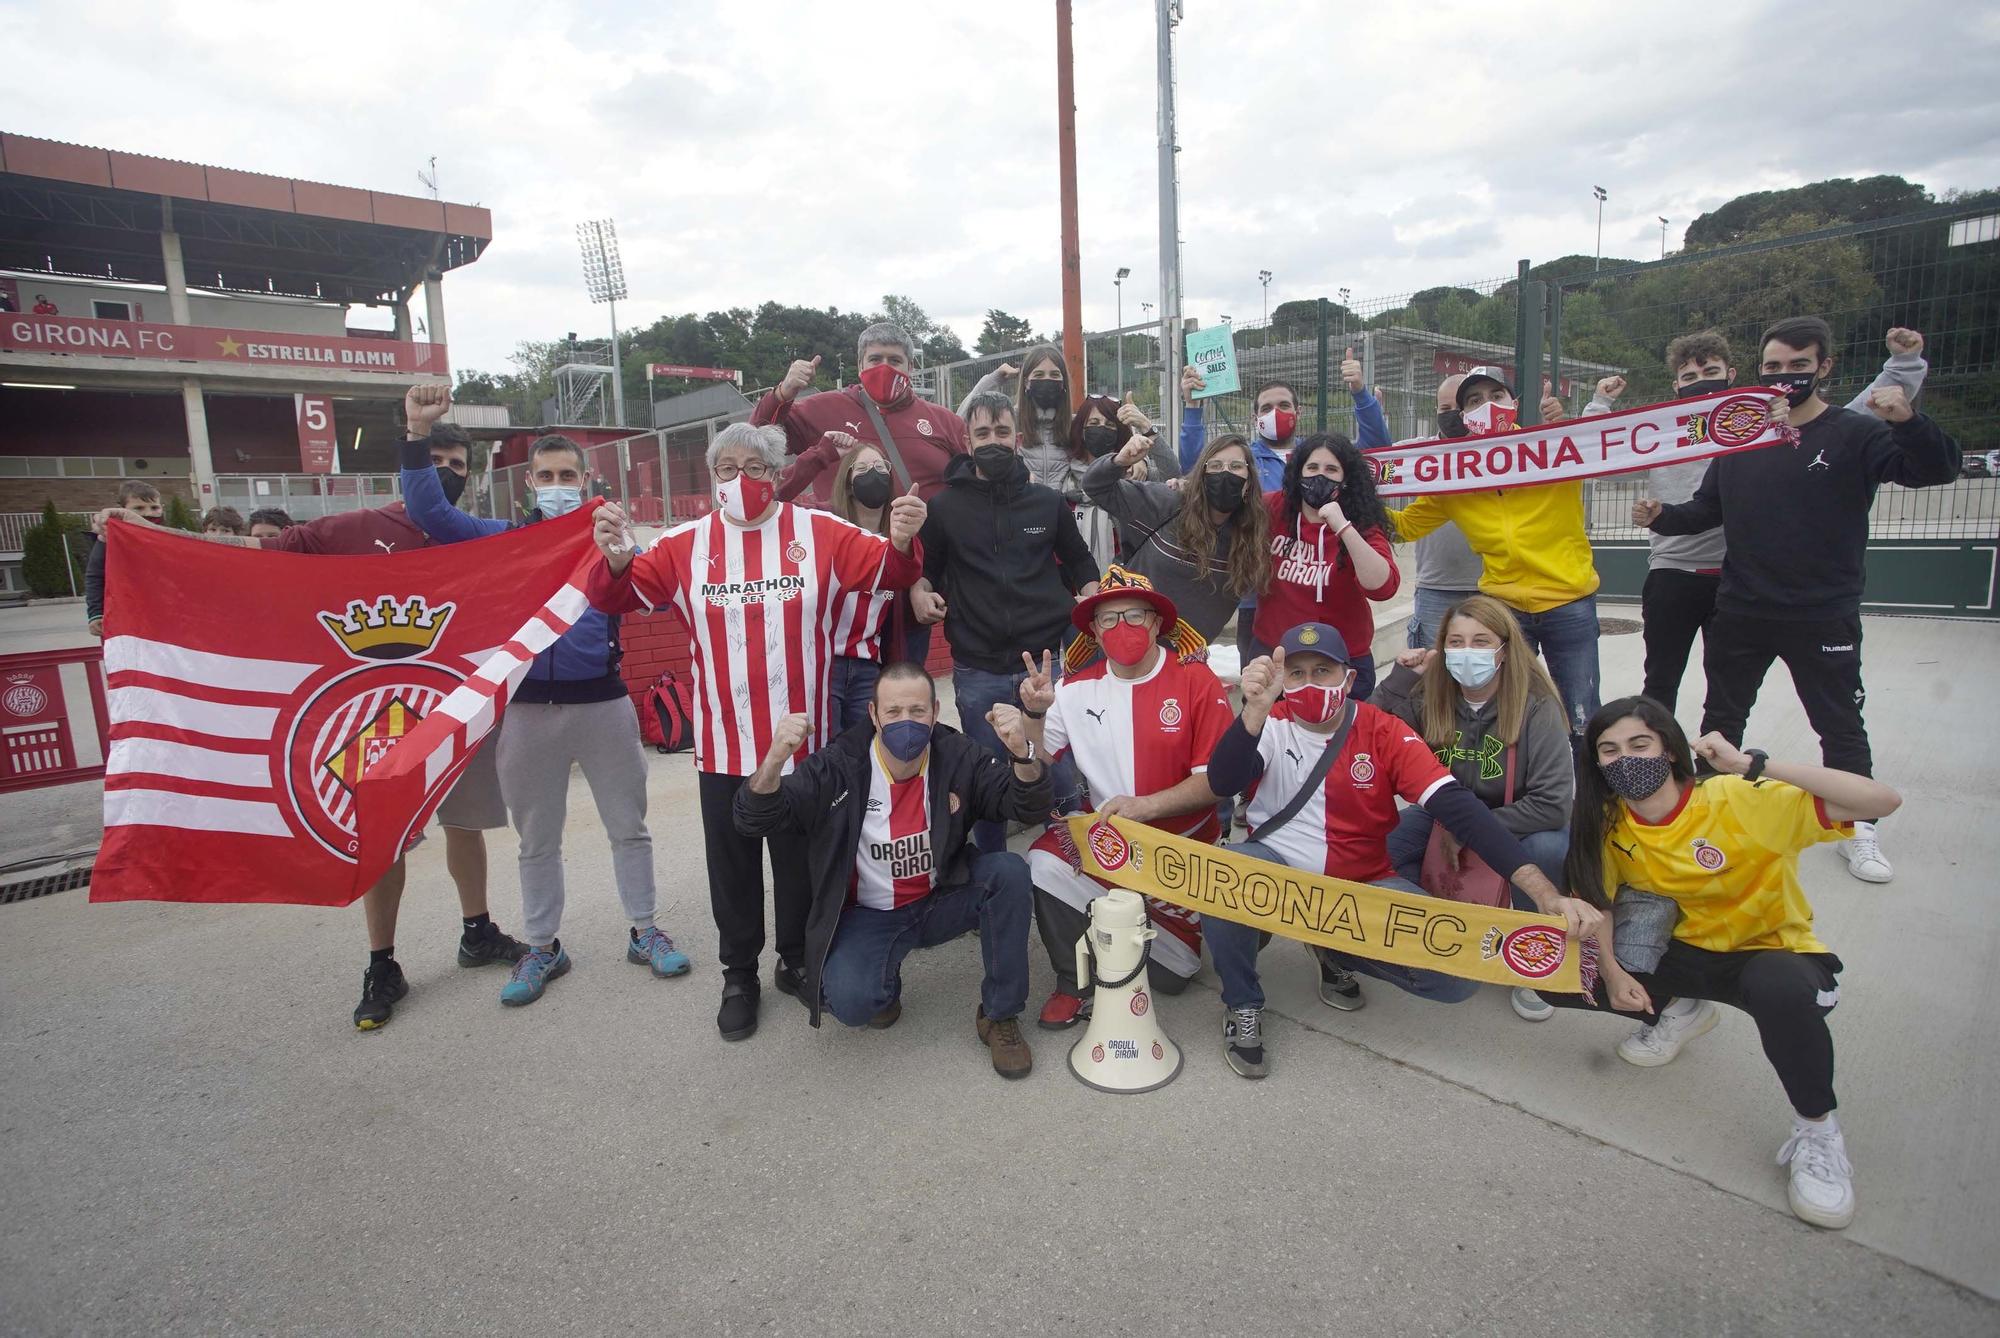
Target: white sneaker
{"x": 1530, "y": 1006}
{"x": 1822, "y": 1185}
{"x": 1680, "y": 1022}
{"x": 1865, "y": 859}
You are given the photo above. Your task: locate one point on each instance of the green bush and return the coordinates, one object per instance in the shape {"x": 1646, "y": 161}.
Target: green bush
{"x": 179, "y": 515}
{"x": 48, "y": 548}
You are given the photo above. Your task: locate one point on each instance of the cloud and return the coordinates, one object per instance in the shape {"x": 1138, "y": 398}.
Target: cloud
{"x": 827, "y": 154}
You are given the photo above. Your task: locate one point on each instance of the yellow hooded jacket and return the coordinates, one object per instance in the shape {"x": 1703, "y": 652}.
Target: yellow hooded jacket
{"x": 1531, "y": 540}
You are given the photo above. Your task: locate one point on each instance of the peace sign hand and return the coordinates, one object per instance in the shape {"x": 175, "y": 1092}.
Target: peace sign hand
{"x": 1038, "y": 689}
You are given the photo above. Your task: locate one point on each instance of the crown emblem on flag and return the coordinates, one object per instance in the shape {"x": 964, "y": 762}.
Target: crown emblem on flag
{"x": 389, "y": 630}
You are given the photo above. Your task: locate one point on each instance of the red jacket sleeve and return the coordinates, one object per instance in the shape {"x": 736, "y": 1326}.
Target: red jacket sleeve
{"x": 800, "y": 432}
{"x": 805, "y": 470}
{"x": 647, "y": 581}
{"x": 864, "y": 561}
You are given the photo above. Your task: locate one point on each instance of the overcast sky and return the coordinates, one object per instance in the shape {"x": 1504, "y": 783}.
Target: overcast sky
{"x": 827, "y": 153}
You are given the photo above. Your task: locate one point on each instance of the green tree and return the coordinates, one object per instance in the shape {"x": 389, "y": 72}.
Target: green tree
{"x": 179, "y": 515}
{"x": 50, "y": 563}
{"x": 1837, "y": 200}
{"x": 1002, "y": 331}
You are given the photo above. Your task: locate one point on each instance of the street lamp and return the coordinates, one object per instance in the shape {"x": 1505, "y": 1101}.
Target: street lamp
{"x": 1225, "y": 320}
{"x": 1118, "y": 282}
{"x": 604, "y": 279}
{"x": 1663, "y": 235}
{"x": 1602, "y": 195}
{"x": 1264, "y": 277}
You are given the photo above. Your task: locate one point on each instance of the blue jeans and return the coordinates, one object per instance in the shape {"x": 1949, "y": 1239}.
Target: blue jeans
{"x": 1233, "y": 948}
{"x": 1428, "y": 616}
{"x": 1566, "y": 637}
{"x": 1546, "y": 851}
{"x": 977, "y": 692}
{"x": 916, "y": 642}
{"x": 863, "y": 971}
{"x": 853, "y": 689}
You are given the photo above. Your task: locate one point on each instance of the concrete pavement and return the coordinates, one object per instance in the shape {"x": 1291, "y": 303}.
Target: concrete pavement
{"x": 193, "y": 1139}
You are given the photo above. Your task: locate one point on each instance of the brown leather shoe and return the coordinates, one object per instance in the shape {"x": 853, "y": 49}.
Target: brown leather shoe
{"x": 886, "y": 1019}
{"x": 1011, "y": 1056}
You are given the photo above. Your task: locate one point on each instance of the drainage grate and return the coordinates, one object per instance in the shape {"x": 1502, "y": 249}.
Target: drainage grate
{"x": 1618, "y": 626}
{"x": 31, "y": 888}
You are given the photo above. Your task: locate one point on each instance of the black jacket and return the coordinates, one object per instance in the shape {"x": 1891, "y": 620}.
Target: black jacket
{"x": 1795, "y": 518}
{"x": 1008, "y": 558}
{"x": 93, "y": 581}
{"x": 824, "y": 797}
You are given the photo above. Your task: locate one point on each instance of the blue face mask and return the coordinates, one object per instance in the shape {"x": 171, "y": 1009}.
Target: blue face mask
{"x": 906, "y": 740}
{"x": 557, "y": 501}
{"x": 1472, "y": 666}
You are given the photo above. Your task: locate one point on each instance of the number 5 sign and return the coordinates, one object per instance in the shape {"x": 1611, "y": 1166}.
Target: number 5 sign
{"x": 317, "y": 438}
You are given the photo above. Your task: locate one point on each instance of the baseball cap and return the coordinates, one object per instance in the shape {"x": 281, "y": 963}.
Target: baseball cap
{"x": 1315, "y": 639}
{"x": 1488, "y": 373}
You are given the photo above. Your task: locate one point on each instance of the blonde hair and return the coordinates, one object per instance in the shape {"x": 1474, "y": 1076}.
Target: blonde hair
{"x": 1521, "y": 675}
{"x": 842, "y": 503}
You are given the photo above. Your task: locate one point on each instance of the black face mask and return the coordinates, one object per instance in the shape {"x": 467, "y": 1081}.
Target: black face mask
{"x": 1701, "y": 387}
{"x": 1100, "y": 440}
{"x": 1451, "y": 423}
{"x": 1798, "y": 386}
{"x": 870, "y": 487}
{"x": 1224, "y": 492}
{"x": 1046, "y": 394}
{"x": 452, "y": 483}
{"x": 1317, "y": 490}
{"x": 995, "y": 462}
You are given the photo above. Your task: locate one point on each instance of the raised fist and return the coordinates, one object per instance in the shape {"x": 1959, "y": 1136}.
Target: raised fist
{"x": 1904, "y": 341}
{"x": 1133, "y": 452}
{"x": 798, "y": 377}
{"x": 906, "y": 517}
{"x": 1645, "y": 511}
{"x": 1721, "y": 754}
{"x": 1890, "y": 404}
{"x": 612, "y": 535}
{"x": 424, "y": 405}
{"x": 1418, "y": 658}
{"x": 1006, "y": 722}
{"x": 788, "y": 737}
{"x": 1611, "y": 387}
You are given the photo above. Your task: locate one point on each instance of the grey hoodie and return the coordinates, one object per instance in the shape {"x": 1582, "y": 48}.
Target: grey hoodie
{"x": 1674, "y": 484}
{"x": 1544, "y": 770}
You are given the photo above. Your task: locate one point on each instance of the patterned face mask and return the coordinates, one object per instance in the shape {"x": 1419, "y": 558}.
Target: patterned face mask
{"x": 1637, "y": 778}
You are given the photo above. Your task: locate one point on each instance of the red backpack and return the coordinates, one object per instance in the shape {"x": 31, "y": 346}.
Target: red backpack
{"x": 666, "y": 714}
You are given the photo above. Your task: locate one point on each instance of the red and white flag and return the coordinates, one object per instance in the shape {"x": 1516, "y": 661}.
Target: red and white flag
{"x": 283, "y": 724}
{"x": 1699, "y": 427}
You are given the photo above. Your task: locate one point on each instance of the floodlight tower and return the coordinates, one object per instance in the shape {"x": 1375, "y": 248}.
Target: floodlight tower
{"x": 604, "y": 279}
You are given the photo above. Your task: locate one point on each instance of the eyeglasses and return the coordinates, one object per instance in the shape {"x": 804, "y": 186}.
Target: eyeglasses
{"x": 1104, "y": 622}
{"x": 756, "y": 470}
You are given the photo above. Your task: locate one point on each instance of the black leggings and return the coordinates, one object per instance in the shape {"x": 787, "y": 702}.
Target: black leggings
{"x": 1788, "y": 994}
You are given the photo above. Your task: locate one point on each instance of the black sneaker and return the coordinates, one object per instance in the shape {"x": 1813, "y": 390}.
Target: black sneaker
{"x": 1338, "y": 987}
{"x": 791, "y": 980}
{"x": 487, "y": 946}
{"x": 381, "y": 989}
{"x": 737, "y": 1020}
{"x": 1243, "y": 1042}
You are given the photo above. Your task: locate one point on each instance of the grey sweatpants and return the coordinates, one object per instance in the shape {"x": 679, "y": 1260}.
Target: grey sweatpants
{"x": 537, "y": 747}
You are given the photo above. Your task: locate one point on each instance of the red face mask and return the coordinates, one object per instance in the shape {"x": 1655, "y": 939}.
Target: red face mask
{"x": 884, "y": 384}
{"x": 743, "y": 498}
{"x": 1315, "y": 704}
{"x": 1126, "y": 644}
{"x": 1276, "y": 425}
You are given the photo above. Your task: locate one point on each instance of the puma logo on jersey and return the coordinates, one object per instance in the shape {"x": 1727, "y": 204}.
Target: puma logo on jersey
{"x": 385, "y": 545}
{"x": 1097, "y": 715}
{"x": 1295, "y": 754}
{"x": 1626, "y": 851}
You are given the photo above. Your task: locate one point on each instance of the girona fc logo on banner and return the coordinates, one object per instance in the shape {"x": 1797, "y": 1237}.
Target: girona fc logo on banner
{"x": 1109, "y": 847}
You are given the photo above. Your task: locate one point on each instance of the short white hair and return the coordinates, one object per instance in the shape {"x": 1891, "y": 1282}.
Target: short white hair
{"x": 767, "y": 442}
{"x": 885, "y": 334}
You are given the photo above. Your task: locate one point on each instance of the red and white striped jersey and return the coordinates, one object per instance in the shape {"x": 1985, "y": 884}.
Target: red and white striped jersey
{"x": 1139, "y": 736}
{"x": 894, "y": 865}
{"x": 1343, "y": 829}
{"x": 760, "y": 603}
{"x": 858, "y": 621}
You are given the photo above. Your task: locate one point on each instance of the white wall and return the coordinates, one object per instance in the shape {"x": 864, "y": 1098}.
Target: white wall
{"x": 287, "y": 315}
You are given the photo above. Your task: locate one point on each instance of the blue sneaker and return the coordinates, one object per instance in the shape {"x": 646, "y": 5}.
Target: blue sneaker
{"x": 532, "y": 974}
{"x": 651, "y": 946}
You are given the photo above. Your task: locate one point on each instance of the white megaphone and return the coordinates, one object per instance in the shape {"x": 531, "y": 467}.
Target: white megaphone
{"x": 1124, "y": 1049}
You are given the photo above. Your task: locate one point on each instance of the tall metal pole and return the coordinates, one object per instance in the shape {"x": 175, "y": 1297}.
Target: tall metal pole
{"x": 617, "y": 373}
{"x": 1170, "y": 226}
{"x": 1119, "y": 284}
{"x": 1602, "y": 195}
{"x": 1072, "y": 257}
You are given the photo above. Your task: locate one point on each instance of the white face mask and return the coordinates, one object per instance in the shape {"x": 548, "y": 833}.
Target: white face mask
{"x": 1472, "y": 666}
{"x": 557, "y": 500}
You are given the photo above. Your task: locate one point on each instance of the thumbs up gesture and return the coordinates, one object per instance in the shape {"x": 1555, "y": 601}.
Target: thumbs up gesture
{"x": 798, "y": 377}
{"x": 1350, "y": 371}
{"x": 1132, "y": 416}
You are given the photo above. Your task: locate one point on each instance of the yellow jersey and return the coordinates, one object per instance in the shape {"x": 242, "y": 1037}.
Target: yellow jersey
{"x": 1530, "y": 540}
{"x": 1730, "y": 856}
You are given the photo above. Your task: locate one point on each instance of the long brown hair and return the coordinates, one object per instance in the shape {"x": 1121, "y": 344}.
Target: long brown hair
{"x": 1521, "y": 675}
{"x": 843, "y": 503}
{"x": 1024, "y": 408}
{"x": 1195, "y": 529}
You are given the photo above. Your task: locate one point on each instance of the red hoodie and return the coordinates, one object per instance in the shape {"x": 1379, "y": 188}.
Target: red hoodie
{"x": 926, "y": 434}
{"x": 1312, "y": 581}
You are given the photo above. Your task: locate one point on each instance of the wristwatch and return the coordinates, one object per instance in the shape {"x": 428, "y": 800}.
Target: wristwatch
{"x": 1758, "y": 757}
{"x": 1029, "y": 760}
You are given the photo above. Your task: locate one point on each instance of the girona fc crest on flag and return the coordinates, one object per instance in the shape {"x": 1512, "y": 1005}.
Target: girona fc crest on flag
{"x": 282, "y": 725}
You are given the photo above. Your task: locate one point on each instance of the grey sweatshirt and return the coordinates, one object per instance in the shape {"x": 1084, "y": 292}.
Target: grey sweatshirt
{"x": 1544, "y": 775}
{"x": 1674, "y": 484}
{"x": 1205, "y": 599}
